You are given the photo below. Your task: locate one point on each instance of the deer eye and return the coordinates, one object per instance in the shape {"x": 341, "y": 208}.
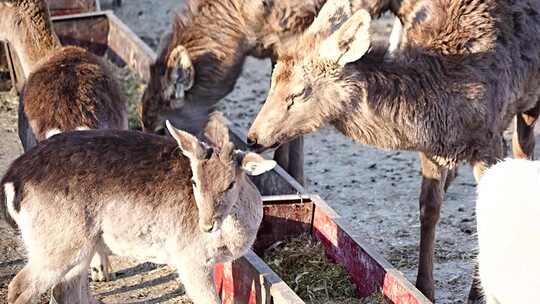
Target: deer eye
{"x": 231, "y": 186}
{"x": 290, "y": 103}
{"x": 193, "y": 183}
{"x": 292, "y": 98}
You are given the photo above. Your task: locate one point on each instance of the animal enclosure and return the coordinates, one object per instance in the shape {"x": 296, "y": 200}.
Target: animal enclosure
{"x": 250, "y": 280}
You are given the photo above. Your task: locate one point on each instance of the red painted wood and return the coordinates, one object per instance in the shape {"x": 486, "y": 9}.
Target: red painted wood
{"x": 283, "y": 221}
{"x": 367, "y": 273}
{"x": 395, "y": 292}
{"x": 238, "y": 283}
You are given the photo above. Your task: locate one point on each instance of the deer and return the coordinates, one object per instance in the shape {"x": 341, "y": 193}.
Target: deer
{"x": 186, "y": 204}
{"x": 66, "y": 87}
{"x": 507, "y": 211}
{"x": 464, "y": 70}
{"x": 201, "y": 58}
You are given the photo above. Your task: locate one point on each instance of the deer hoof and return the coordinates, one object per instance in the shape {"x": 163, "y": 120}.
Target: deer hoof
{"x": 100, "y": 275}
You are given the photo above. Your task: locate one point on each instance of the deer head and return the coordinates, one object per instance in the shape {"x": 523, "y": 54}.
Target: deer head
{"x": 169, "y": 82}
{"x": 309, "y": 83}
{"x": 218, "y": 172}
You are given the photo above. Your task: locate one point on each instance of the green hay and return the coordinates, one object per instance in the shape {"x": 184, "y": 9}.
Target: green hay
{"x": 301, "y": 262}
{"x": 133, "y": 88}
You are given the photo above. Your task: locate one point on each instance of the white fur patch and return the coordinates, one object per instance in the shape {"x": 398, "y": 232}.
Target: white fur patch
{"x": 82, "y": 128}
{"x": 9, "y": 193}
{"x": 52, "y": 132}
{"x": 395, "y": 38}
{"x": 507, "y": 210}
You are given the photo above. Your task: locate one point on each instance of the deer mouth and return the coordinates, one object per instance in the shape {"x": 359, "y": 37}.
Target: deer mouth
{"x": 261, "y": 149}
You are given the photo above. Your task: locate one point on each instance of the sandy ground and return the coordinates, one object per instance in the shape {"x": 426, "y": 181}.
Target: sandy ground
{"x": 376, "y": 191}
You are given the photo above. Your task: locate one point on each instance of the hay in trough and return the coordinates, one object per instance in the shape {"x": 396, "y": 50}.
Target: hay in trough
{"x": 301, "y": 262}
{"x": 133, "y": 88}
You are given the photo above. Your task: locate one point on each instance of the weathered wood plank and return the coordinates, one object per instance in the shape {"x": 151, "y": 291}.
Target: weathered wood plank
{"x": 66, "y": 7}
{"x": 88, "y": 30}
{"x": 284, "y": 219}
{"x": 5, "y": 75}
{"x": 15, "y": 68}
{"x": 129, "y": 47}
{"x": 249, "y": 280}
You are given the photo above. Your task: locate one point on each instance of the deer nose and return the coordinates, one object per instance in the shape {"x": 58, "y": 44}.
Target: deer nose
{"x": 251, "y": 141}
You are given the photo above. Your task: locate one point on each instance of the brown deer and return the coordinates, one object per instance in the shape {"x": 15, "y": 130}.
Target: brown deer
{"x": 66, "y": 88}
{"x": 201, "y": 59}
{"x": 184, "y": 204}
{"x": 463, "y": 71}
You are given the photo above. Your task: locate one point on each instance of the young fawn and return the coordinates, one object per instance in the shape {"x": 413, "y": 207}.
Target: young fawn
{"x": 183, "y": 203}
{"x": 464, "y": 70}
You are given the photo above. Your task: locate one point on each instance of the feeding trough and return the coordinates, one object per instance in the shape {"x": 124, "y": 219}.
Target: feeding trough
{"x": 250, "y": 280}
{"x": 288, "y": 210}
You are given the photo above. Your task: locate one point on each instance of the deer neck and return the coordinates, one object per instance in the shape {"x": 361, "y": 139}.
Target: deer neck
{"x": 393, "y": 107}
{"x": 28, "y": 29}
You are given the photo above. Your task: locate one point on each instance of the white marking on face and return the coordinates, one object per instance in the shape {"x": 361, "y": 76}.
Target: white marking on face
{"x": 52, "y": 132}
{"x": 9, "y": 193}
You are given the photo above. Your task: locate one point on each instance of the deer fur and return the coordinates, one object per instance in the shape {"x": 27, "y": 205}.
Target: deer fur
{"x": 507, "y": 211}
{"x": 183, "y": 203}
{"x": 201, "y": 59}
{"x": 66, "y": 88}
{"x": 464, "y": 70}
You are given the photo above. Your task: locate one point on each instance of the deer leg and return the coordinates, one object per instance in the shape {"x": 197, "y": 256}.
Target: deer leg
{"x": 523, "y": 141}
{"x": 198, "y": 280}
{"x": 450, "y": 177}
{"x": 26, "y": 135}
{"x": 50, "y": 264}
{"x": 431, "y": 197}
{"x": 290, "y": 157}
{"x": 100, "y": 265}
{"x": 35, "y": 279}
{"x": 475, "y": 293}
{"x": 74, "y": 288}
{"x": 296, "y": 160}
{"x": 281, "y": 156}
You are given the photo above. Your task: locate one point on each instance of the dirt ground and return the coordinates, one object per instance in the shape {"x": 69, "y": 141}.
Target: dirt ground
{"x": 376, "y": 191}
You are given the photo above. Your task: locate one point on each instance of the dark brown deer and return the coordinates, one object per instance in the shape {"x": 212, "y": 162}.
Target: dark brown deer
{"x": 201, "y": 59}
{"x": 464, "y": 70}
{"x": 66, "y": 88}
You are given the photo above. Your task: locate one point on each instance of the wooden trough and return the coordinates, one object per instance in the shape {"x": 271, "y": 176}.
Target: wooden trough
{"x": 289, "y": 210}
{"x": 250, "y": 280}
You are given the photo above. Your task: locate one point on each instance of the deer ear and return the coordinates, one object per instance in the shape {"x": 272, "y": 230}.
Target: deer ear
{"x": 189, "y": 144}
{"x": 254, "y": 164}
{"x": 330, "y": 17}
{"x": 216, "y": 130}
{"x": 180, "y": 75}
{"x": 350, "y": 42}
